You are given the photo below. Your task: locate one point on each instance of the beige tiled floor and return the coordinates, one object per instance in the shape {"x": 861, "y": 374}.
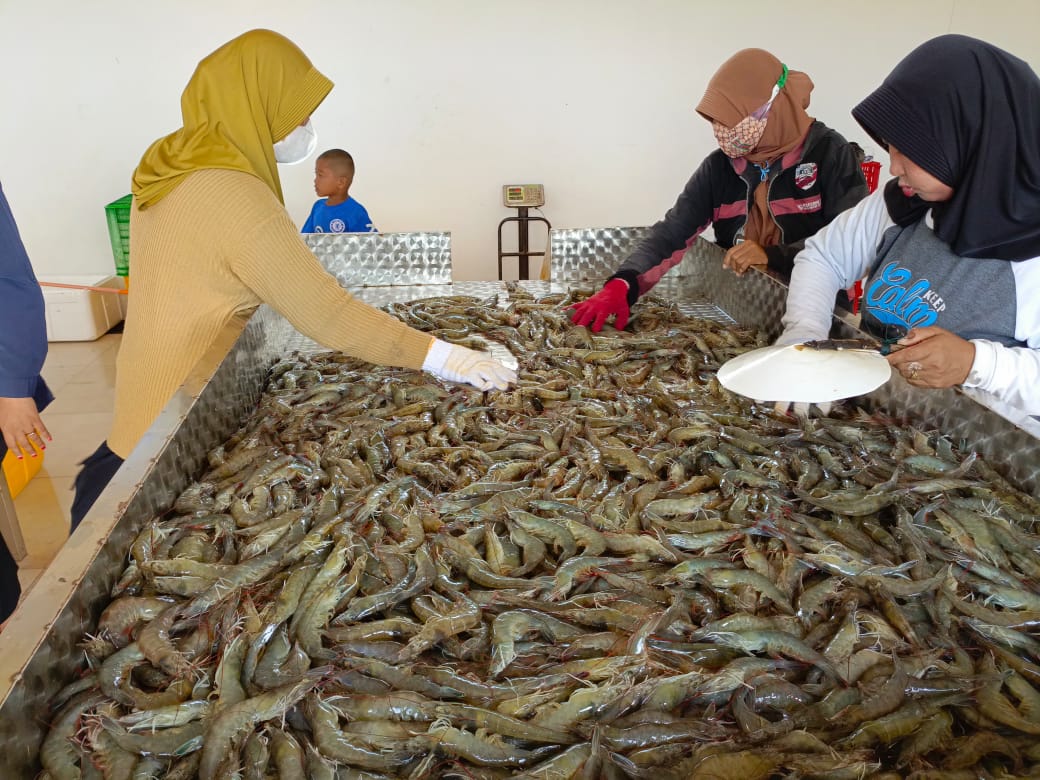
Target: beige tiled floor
{"x": 82, "y": 376}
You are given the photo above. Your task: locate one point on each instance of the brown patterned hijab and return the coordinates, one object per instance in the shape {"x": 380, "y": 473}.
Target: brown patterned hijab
{"x": 741, "y": 86}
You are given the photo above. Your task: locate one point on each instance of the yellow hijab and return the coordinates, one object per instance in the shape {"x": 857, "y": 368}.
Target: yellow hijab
{"x": 243, "y": 98}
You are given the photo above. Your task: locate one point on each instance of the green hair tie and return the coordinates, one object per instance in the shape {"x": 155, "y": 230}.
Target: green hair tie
{"x": 783, "y": 77}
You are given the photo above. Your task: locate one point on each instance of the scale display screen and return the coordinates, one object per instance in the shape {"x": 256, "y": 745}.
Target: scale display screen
{"x": 516, "y": 195}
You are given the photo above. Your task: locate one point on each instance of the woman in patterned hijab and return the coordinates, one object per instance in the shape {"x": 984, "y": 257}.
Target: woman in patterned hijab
{"x": 778, "y": 177}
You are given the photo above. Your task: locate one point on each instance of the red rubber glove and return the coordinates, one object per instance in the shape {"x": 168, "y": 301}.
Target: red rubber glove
{"x": 612, "y": 300}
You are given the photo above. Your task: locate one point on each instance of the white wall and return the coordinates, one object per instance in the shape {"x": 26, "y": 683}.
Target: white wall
{"x": 440, "y": 102}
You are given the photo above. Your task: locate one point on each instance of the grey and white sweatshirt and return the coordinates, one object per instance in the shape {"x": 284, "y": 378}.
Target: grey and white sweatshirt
{"x": 915, "y": 279}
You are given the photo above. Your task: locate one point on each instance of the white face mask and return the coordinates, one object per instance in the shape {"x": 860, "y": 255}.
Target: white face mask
{"x": 297, "y": 146}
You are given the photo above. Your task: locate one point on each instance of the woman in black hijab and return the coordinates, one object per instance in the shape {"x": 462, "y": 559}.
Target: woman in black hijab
{"x": 951, "y": 246}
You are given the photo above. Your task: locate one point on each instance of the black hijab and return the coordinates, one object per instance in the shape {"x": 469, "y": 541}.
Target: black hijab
{"x": 968, "y": 113}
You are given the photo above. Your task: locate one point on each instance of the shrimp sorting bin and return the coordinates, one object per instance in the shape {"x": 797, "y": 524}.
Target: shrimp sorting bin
{"x": 38, "y": 653}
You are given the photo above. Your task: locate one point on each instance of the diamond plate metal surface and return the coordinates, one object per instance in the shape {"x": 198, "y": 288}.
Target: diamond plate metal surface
{"x": 382, "y": 259}
{"x": 757, "y": 298}
{"x": 590, "y": 254}
{"x": 38, "y": 653}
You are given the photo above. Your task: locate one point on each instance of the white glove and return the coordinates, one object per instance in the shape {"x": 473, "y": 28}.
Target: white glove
{"x": 459, "y": 364}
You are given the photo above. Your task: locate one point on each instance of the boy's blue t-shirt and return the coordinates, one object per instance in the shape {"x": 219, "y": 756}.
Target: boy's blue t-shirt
{"x": 347, "y": 217}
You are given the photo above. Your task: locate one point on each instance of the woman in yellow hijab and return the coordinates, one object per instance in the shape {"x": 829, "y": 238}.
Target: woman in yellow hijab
{"x": 211, "y": 240}
{"x": 244, "y": 97}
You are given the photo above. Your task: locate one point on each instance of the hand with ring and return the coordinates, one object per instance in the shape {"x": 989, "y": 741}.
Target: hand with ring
{"x": 22, "y": 428}
{"x": 933, "y": 357}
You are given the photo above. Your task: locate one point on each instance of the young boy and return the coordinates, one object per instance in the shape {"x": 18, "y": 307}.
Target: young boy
{"x": 338, "y": 212}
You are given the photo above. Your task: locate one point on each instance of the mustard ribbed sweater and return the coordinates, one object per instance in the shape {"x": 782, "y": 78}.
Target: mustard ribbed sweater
{"x": 213, "y": 250}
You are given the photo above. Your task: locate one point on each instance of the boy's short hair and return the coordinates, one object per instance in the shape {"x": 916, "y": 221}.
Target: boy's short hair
{"x": 340, "y": 161}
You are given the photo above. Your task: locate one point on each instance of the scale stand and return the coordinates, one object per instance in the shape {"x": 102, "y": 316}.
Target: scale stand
{"x": 522, "y": 197}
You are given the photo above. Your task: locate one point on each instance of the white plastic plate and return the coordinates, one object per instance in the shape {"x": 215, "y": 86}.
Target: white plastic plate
{"x": 797, "y": 374}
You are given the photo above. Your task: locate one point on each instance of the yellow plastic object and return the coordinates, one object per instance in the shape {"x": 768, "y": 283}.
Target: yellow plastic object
{"x": 19, "y": 472}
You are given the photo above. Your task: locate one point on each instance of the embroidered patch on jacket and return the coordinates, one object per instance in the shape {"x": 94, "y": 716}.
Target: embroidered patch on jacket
{"x": 805, "y": 175}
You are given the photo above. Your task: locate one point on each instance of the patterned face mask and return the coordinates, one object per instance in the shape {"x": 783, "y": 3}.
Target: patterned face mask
{"x": 741, "y": 139}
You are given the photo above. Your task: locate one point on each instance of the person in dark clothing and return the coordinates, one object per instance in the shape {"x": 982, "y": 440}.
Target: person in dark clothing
{"x": 23, "y": 393}
{"x": 779, "y": 176}
{"x": 950, "y": 246}
{"x": 91, "y": 481}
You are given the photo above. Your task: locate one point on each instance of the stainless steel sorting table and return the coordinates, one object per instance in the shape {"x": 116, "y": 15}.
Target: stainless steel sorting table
{"x": 38, "y": 653}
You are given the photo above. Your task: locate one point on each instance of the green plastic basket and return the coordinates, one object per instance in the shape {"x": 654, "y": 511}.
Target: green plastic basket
{"x": 118, "y": 215}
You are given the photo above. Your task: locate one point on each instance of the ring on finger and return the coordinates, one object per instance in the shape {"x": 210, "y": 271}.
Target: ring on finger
{"x": 915, "y": 369}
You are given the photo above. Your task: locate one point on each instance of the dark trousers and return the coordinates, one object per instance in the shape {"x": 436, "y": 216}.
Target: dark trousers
{"x": 97, "y": 472}
{"x": 10, "y": 590}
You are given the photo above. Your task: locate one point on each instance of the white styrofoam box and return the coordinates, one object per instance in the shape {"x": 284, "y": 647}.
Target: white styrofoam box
{"x": 81, "y": 315}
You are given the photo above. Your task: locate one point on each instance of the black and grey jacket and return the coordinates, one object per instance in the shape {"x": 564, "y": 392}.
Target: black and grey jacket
{"x": 808, "y": 187}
